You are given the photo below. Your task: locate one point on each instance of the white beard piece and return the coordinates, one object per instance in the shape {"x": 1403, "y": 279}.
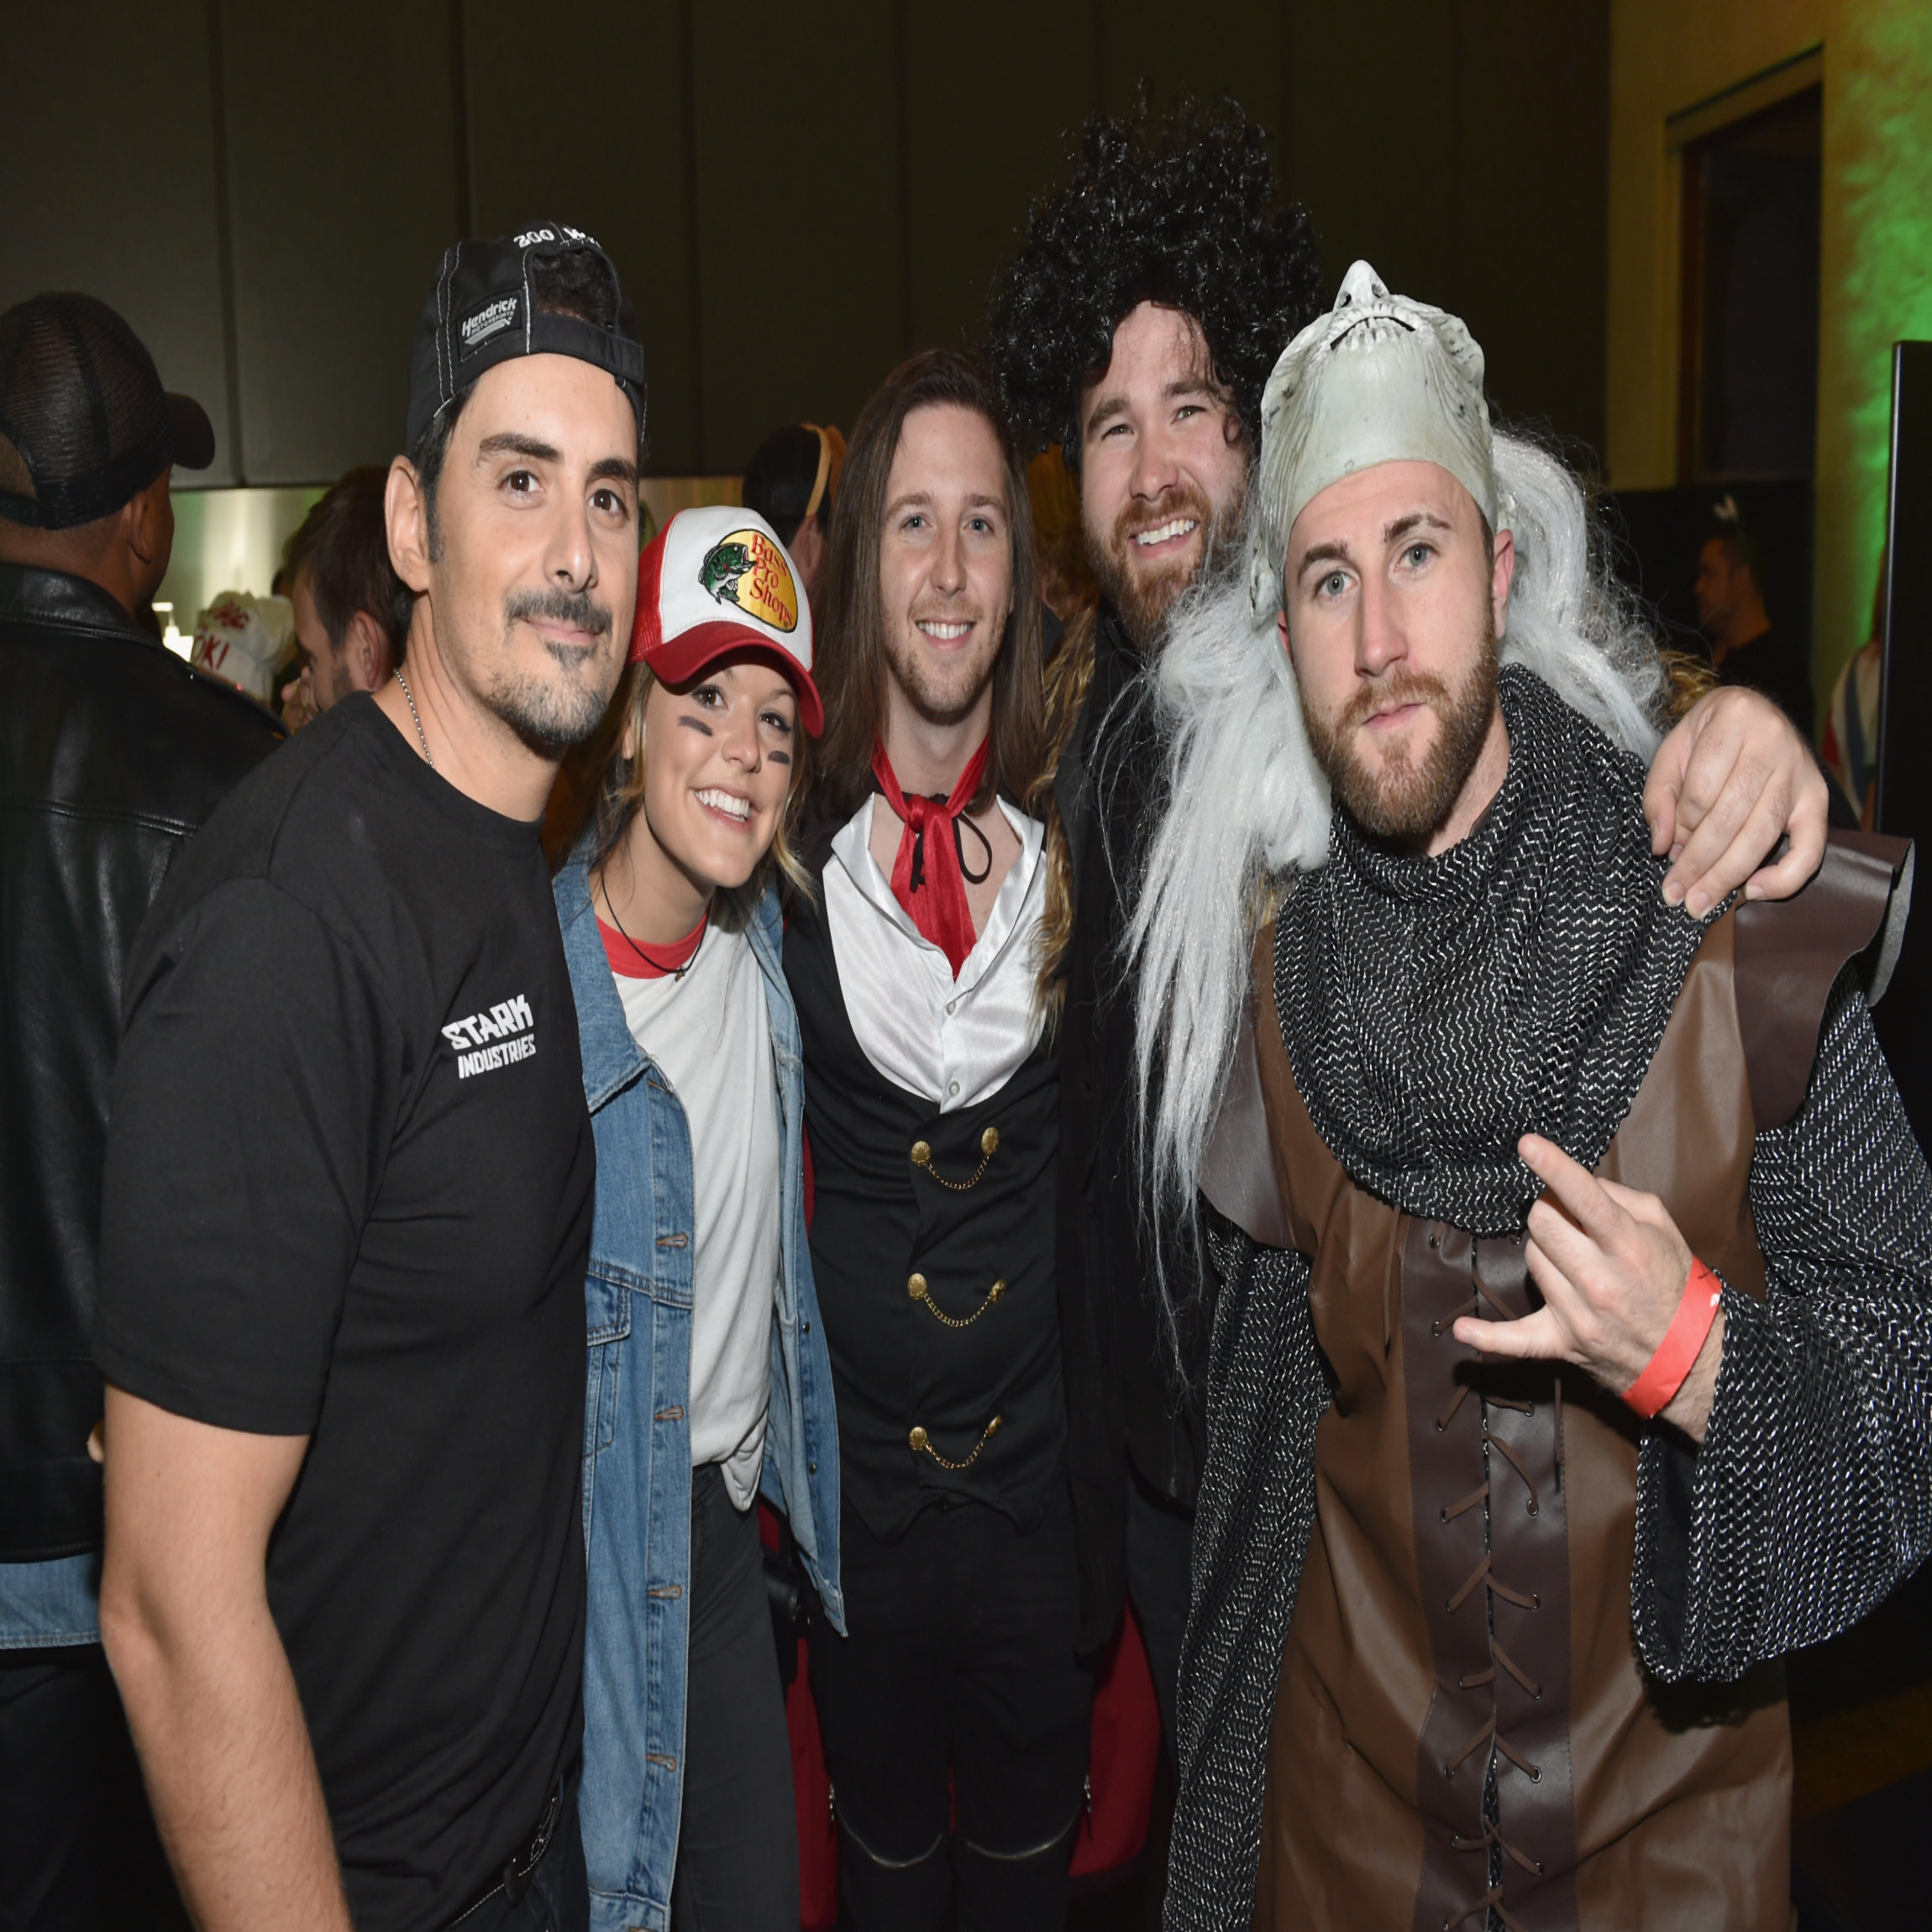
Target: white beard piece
{"x": 1247, "y": 805}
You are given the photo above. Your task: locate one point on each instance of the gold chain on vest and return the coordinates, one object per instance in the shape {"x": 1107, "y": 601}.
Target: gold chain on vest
{"x": 922, "y": 1157}
{"x": 917, "y": 1287}
{"x": 921, "y": 1444}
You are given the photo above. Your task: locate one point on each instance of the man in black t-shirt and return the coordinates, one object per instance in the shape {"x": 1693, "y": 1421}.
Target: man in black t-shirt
{"x": 348, "y": 1198}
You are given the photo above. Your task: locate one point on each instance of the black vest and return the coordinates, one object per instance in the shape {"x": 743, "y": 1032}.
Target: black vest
{"x": 933, "y": 1251}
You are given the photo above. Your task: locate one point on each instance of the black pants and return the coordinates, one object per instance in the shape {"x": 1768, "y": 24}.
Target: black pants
{"x": 1160, "y": 1537}
{"x": 78, "y": 1851}
{"x": 737, "y": 1835}
{"x": 960, "y": 1659}
{"x": 558, "y": 1896}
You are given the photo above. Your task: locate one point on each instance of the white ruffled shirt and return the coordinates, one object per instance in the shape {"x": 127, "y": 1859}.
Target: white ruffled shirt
{"x": 953, "y": 1043}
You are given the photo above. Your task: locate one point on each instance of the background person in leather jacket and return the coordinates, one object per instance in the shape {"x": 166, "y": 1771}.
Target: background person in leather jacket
{"x": 112, "y": 753}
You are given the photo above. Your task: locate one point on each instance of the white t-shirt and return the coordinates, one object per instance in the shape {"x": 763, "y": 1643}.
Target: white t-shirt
{"x": 954, "y": 1043}
{"x": 710, "y": 1035}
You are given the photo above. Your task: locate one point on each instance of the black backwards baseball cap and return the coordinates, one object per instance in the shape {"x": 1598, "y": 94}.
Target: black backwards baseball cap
{"x": 488, "y": 306}
{"x": 85, "y": 424}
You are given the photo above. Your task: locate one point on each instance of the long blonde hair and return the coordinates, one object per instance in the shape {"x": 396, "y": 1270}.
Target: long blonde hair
{"x": 615, "y": 788}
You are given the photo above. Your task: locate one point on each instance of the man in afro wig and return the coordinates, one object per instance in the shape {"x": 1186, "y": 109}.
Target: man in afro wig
{"x": 1136, "y": 329}
{"x": 1183, "y": 213}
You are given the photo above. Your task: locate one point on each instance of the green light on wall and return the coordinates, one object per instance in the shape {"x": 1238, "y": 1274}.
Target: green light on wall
{"x": 1879, "y": 148}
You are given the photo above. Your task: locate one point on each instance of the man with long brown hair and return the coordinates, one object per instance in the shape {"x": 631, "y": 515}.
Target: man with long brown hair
{"x": 932, "y": 1107}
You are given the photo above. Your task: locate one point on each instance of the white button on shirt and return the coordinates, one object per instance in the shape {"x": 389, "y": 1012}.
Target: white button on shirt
{"x": 954, "y": 1043}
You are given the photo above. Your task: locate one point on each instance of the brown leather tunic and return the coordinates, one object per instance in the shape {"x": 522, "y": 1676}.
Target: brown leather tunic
{"x": 1416, "y": 1640}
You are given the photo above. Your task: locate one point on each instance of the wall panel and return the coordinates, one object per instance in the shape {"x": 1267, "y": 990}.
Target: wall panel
{"x": 1466, "y": 161}
{"x": 1530, "y": 261}
{"x": 795, "y": 195}
{"x": 799, "y": 272}
{"x": 123, "y": 206}
{"x": 614, "y": 165}
{"x": 989, "y": 119}
{"x": 342, "y": 162}
{"x": 1875, "y": 254}
{"x": 1205, "y": 48}
{"x": 1374, "y": 143}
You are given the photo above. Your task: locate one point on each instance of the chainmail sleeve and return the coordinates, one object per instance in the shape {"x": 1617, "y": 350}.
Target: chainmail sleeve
{"x": 1266, "y": 1392}
{"x": 1811, "y": 1495}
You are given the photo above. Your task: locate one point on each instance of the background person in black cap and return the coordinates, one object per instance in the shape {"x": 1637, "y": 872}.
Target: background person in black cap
{"x": 112, "y": 752}
{"x": 791, "y": 481}
{"x": 347, "y": 1208}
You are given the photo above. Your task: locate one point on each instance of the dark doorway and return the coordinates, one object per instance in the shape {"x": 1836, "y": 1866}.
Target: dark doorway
{"x": 1748, "y": 394}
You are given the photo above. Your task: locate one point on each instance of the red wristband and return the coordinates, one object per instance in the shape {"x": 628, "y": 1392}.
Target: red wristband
{"x": 1665, "y": 1371}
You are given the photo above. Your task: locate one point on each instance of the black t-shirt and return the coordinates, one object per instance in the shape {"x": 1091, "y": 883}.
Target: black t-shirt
{"x": 348, "y": 1194}
{"x": 1771, "y": 664}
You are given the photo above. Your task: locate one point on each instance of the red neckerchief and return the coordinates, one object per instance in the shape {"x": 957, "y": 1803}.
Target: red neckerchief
{"x": 926, "y": 879}
{"x": 630, "y": 961}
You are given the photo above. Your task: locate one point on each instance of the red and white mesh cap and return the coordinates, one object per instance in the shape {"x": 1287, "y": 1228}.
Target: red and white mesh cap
{"x": 714, "y": 583}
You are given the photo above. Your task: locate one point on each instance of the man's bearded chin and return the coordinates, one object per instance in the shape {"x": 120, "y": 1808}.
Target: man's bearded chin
{"x": 552, "y": 714}
{"x": 943, "y": 693}
{"x": 1142, "y": 595}
{"x": 1405, "y": 800}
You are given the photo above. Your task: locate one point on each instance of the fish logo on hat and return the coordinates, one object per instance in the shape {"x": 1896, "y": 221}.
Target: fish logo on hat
{"x": 746, "y": 570}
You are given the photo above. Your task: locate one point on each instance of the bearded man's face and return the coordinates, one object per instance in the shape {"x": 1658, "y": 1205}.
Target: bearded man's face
{"x": 945, "y": 563}
{"x": 528, "y": 549}
{"x": 1163, "y": 467}
{"x": 1392, "y": 597}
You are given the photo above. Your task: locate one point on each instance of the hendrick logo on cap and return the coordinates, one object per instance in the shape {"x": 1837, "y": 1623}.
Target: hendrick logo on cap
{"x": 492, "y": 318}
{"x": 749, "y": 571}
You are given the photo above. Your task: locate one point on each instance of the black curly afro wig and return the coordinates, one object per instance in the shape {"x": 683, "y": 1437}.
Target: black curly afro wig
{"x": 1182, "y": 211}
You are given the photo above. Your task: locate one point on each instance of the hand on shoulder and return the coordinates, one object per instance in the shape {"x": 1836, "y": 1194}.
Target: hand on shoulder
{"x": 1733, "y": 778}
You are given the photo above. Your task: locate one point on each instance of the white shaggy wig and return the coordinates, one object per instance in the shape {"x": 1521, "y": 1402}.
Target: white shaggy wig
{"x": 1247, "y": 807}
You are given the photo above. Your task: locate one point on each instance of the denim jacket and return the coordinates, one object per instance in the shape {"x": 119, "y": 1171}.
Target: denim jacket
{"x": 636, "y": 1429}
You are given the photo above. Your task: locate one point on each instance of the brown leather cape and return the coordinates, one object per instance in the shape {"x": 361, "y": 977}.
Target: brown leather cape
{"x": 1464, "y": 1608}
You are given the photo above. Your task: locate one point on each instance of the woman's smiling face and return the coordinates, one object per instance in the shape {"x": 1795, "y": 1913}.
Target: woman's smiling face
{"x": 718, "y": 765}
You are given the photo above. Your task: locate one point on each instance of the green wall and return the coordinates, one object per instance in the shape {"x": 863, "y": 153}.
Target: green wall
{"x": 1877, "y": 289}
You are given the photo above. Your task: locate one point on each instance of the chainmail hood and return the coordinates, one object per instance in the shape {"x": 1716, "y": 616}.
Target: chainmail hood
{"x": 1435, "y": 1010}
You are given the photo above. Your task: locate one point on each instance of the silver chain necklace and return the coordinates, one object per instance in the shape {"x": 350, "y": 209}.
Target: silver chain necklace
{"x": 413, "y": 713}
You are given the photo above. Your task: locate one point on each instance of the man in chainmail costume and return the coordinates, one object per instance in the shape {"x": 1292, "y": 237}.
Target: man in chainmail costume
{"x": 1574, "y": 1361}
{"x": 1136, "y": 327}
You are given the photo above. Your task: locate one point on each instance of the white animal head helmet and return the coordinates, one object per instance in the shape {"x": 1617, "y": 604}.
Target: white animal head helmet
{"x": 1379, "y": 379}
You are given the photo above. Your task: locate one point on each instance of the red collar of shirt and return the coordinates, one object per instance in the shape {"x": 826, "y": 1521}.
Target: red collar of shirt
{"x": 630, "y": 961}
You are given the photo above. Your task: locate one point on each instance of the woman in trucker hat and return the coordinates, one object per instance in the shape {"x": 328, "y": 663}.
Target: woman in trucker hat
{"x": 708, "y": 1379}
